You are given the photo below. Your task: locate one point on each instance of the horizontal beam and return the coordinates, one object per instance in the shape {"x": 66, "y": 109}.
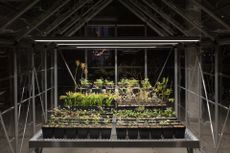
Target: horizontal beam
{"x": 116, "y": 39}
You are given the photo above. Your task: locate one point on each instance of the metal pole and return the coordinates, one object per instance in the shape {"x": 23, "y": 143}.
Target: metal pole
{"x": 176, "y": 80}
{"x": 216, "y": 91}
{"x": 55, "y": 78}
{"x": 116, "y": 72}
{"x": 33, "y": 91}
{"x": 15, "y": 101}
{"x": 207, "y": 101}
{"x": 146, "y": 56}
{"x": 186, "y": 86}
{"x": 45, "y": 81}
{"x": 86, "y": 54}
{"x": 19, "y": 14}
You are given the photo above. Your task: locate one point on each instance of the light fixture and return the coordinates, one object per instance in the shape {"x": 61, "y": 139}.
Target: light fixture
{"x": 113, "y": 47}
{"x": 161, "y": 40}
{"x": 114, "y": 44}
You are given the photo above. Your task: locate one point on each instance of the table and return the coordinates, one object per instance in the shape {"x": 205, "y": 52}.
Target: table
{"x": 37, "y": 143}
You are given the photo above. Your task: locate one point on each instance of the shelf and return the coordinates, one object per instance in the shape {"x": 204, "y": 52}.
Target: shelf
{"x": 190, "y": 141}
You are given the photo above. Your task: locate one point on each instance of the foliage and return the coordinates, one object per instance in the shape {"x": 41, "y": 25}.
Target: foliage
{"x": 162, "y": 91}
{"x": 98, "y": 83}
{"x": 145, "y": 84}
{"x": 85, "y": 83}
{"x": 108, "y": 83}
{"x": 73, "y": 99}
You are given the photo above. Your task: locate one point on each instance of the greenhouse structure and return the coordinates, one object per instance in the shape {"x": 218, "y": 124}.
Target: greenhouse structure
{"x": 109, "y": 76}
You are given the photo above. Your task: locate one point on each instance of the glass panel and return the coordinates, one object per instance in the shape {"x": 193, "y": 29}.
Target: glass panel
{"x": 101, "y": 64}
{"x": 65, "y": 81}
{"x": 131, "y": 63}
{"x": 100, "y": 31}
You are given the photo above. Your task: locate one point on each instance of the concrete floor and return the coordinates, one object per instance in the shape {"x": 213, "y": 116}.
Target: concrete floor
{"x": 117, "y": 150}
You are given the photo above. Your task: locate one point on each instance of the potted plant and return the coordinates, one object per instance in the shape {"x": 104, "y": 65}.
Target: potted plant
{"x": 106, "y": 127}
{"x": 94, "y": 130}
{"x": 167, "y": 128}
{"x": 85, "y": 85}
{"x": 144, "y": 129}
{"x": 179, "y": 130}
{"x": 47, "y": 131}
{"x": 70, "y": 130}
{"x": 156, "y": 131}
{"x": 121, "y": 129}
{"x": 59, "y": 130}
{"x": 97, "y": 86}
{"x": 145, "y": 84}
{"x": 132, "y": 129}
{"x": 109, "y": 85}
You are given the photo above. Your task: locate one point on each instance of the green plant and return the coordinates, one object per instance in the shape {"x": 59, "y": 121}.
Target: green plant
{"x": 133, "y": 83}
{"x": 162, "y": 91}
{"x": 84, "y": 83}
{"x": 146, "y": 84}
{"x": 123, "y": 83}
{"x": 98, "y": 83}
{"x": 140, "y": 109}
{"x": 108, "y": 83}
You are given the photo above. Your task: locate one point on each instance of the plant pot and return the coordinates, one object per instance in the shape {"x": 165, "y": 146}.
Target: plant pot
{"x": 155, "y": 132}
{"x": 82, "y": 132}
{"x": 59, "y": 132}
{"x": 47, "y": 132}
{"x": 179, "y": 131}
{"x": 94, "y": 133}
{"x": 121, "y": 132}
{"x": 110, "y": 90}
{"x": 167, "y": 131}
{"x": 96, "y": 90}
{"x": 106, "y": 133}
{"x": 136, "y": 90}
{"x": 144, "y": 133}
{"x": 71, "y": 133}
{"x": 133, "y": 133}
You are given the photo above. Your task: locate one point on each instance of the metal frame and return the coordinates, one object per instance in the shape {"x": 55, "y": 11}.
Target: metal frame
{"x": 57, "y": 6}
{"x": 182, "y": 14}
{"x": 190, "y": 142}
{"x": 83, "y": 20}
{"x": 19, "y": 14}
{"x": 64, "y": 17}
{"x": 153, "y": 17}
{"x": 177, "y": 25}
{"x": 159, "y": 31}
{"x": 225, "y": 25}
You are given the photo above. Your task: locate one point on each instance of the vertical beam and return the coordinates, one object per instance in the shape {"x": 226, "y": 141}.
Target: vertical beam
{"x": 86, "y": 53}
{"x": 33, "y": 91}
{"x": 55, "y": 78}
{"x": 15, "y": 101}
{"x": 146, "y": 56}
{"x": 52, "y": 79}
{"x": 216, "y": 90}
{"x": 116, "y": 72}
{"x": 176, "y": 80}
{"x": 186, "y": 85}
{"x": 45, "y": 81}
